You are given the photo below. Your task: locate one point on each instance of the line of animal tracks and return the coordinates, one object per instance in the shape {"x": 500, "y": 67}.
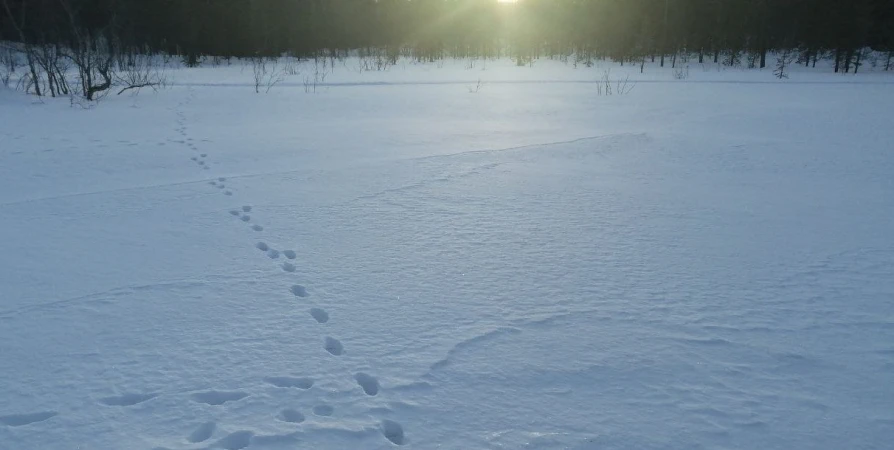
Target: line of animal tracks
{"x": 368, "y": 384}
{"x": 288, "y": 260}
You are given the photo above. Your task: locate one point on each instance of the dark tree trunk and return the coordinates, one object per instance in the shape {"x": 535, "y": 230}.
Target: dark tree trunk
{"x": 847, "y": 60}
{"x": 733, "y": 57}
{"x": 107, "y": 83}
{"x": 888, "y": 62}
{"x": 51, "y": 82}
{"x": 701, "y": 56}
{"x": 763, "y": 58}
{"x": 29, "y": 52}
{"x": 837, "y": 59}
{"x": 664, "y": 37}
{"x": 192, "y": 59}
{"x": 858, "y": 62}
{"x": 716, "y": 55}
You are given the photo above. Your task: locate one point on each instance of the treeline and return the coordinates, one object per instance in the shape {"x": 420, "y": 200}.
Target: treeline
{"x": 723, "y": 31}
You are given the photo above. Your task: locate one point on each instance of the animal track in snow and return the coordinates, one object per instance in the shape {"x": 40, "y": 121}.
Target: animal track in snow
{"x": 393, "y": 431}
{"x": 221, "y": 186}
{"x": 218, "y": 397}
{"x": 236, "y": 441}
{"x": 368, "y": 382}
{"x": 201, "y": 163}
{"x": 202, "y": 433}
{"x": 213, "y": 183}
{"x": 291, "y": 416}
{"x": 298, "y": 290}
{"x": 289, "y": 254}
{"x": 319, "y": 315}
{"x": 273, "y": 254}
{"x": 291, "y": 382}
{"x": 228, "y": 192}
{"x": 245, "y": 217}
{"x": 262, "y": 246}
{"x": 333, "y": 346}
{"x": 18, "y": 420}
{"x": 194, "y": 158}
{"x": 234, "y": 212}
{"x": 126, "y": 399}
{"x": 203, "y": 155}
{"x": 246, "y": 208}
{"x": 221, "y": 179}
{"x": 324, "y": 410}
{"x": 288, "y": 267}
{"x": 257, "y": 227}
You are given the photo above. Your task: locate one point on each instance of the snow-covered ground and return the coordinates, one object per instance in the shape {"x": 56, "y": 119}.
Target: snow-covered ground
{"x": 702, "y": 263}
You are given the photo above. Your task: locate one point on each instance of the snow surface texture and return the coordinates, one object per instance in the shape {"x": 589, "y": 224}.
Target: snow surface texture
{"x": 692, "y": 265}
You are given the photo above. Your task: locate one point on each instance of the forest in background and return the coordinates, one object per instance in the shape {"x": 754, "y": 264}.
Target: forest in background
{"x": 87, "y": 34}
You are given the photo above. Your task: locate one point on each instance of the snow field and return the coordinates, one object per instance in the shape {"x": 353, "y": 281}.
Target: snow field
{"x": 693, "y": 265}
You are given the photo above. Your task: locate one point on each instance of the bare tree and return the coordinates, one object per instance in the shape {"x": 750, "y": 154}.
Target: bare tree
{"x": 318, "y": 77}
{"x": 266, "y": 73}
{"x": 19, "y": 25}
{"x": 9, "y": 62}
{"x": 605, "y": 87}
{"x": 50, "y": 59}
{"x": 861, "y": 55}
{"x": 93, "y": 60}
{"x": 93, "y": 56}
{"x": 292, "y": 65}
{"x": 476, "y": 88}
{"x": 785, "y": 58}
{"x": 623, "y": 87}
{"x": 140, "y": 71}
